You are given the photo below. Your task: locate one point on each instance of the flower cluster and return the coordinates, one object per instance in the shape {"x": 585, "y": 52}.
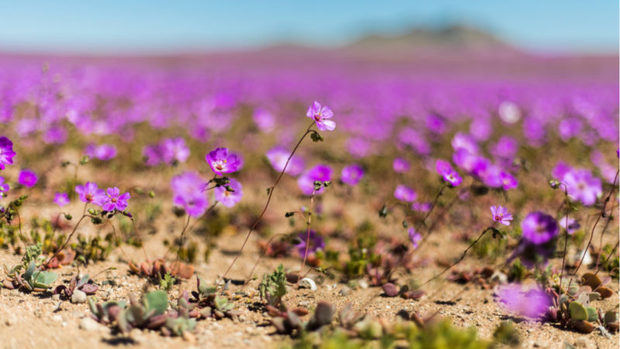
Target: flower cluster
{"x": 168, "y": 151}
{"x": 109, "y": 200}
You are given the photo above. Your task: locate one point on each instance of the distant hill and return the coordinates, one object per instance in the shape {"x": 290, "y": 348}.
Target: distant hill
{"x": 427, "y": 41}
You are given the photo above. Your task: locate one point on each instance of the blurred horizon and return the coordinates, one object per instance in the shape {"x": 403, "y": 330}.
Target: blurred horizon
{"x": 158, "y": 27}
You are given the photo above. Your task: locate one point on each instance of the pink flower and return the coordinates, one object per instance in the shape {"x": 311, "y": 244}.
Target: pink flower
{"x": 229, "y": 198}
{"x": 414, "y": 237}
{"x": 188, "y": 193}
{"x": 6, "y": 152}
{"x": 223, "y": 161}
{"x": 114, "y": 200}
{"x": 61, "y": 199}
{"x": 531, "y": 303}
{"x": 320, "y": 173}
{"x": 445, "y": 170}
{"x": 404, "y": 193}
{"x": 500, "y": 214}
{"x": 90, "y": 193}
{"x": 320, "y": 114}
{"x": 27, "y": 178}
{"x": 401, "y": 165}
{"x": 352, "y": 174}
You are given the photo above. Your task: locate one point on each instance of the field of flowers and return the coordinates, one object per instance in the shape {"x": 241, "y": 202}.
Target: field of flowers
{"x": 262, "y": 200}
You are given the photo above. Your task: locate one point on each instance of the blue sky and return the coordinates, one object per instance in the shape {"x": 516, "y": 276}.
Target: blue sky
{"x": 132, "y": 26}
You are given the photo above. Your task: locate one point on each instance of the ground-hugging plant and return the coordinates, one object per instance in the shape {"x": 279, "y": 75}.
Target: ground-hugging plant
{"x": 150, "y": 313}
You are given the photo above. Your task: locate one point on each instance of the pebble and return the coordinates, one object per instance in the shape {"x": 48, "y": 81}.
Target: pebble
{"x": 10, "y": 320}
{"x": 345, "y": 291}
{"x": 308, "y": 283}
{"x": 584, "y": 343}
{"x": 88, "y": 324}
{"x": 363, "y": 284}
{"x": 57, "y": 318}
{"x": 78, "y": 297}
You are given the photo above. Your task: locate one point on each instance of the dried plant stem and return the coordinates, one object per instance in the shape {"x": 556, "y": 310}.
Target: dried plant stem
{"x": 611, "y": 254}
{"x": 598, "y": 218}
{"x": 271, "y": 190}
{"x": 69, "y": 237}
{"x": 565, "y": 233}
{"x": 308, "y": 223}
{"x": 460, "y": 258}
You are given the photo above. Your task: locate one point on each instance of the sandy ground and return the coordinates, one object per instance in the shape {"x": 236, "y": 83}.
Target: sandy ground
{"x": 32, "y": 321}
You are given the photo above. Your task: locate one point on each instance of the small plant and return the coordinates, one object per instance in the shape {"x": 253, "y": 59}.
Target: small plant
{"x": 151, "y": 313}
{"x": 157, "y": 270}
{"x": 208, "y": 303}
{"x": 33, "y": 277}
{"x": 288, "y": 322}
{"x": 273, "y": 287}
{"x": 84, "y": 284}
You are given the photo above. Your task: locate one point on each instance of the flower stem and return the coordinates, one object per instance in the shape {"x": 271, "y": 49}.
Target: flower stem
{"x": 308, "y": 223}
{"x": 598, "y": 218}
{"x": 271, "y": 190}
{"x": 460, "y": 258}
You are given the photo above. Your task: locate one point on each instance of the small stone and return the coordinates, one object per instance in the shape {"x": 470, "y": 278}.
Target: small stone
{"x": 78, "y": 297}
{"x": 88, "y": 324}
{"x": 308, "y": 283}
{"x": 499, "y": 277}
{"x": 363, "y": 284}
{"x": 584, "y": 343}
{"x": 345, "y": 291}
{"x": 56, "y": 297}
{"x": 10, "y": 320}
{"x": 57, "y": 318}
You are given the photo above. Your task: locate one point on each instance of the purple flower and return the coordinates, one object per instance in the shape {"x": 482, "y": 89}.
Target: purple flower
{"x": 316, "y": 243}
{"x": 421, "y": 206}
{"x": 321, "y": 173}
{"x": 539, "y": 228}
{"x": 401, "y": 165}
{"x": 223, "y": 161}
{"x": 174, "y": 149}
{"x": 114, "y": 200}
{"x": 500, "y": 214}
{"x": 90, "y": 193}
{"x": 414, "y": 237}
{"x": 464, "y": 141}
{"x": 569, "y": 224}
{"x": 4, "y": 187}
{"x": 61, "y": 199}
{"x": 277, "y": 158}
{"x": 6, "y": 152}
{"x": 352, "y": 174}
{"x": 404, "y": 193}
{"x": 445, "y": 170}
{"x": 506, "y": 147}
{"x": 582, "y": 186}
{"x": 264, "y": 120}
{"x": 27, "y": 178}
{"x": 188, "y": 193}
{"x": 152, "y": 155}
{"x": 320, "y": 114}
{"x": 229, "y": 198}
{"x": 508, "y": 180}
{"x": 531, "y": 303}
{"x": 560, "y": 170}
{"x": 102, "y": 152}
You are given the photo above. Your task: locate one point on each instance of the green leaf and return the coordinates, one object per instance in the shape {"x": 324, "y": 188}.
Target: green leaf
{"x": 221, "y": 303}
{"x": 577, "y": 311}
{"x": 44, "y": 279}
{"x": 157, "y": 301}
{"x": 592, "y": 314}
